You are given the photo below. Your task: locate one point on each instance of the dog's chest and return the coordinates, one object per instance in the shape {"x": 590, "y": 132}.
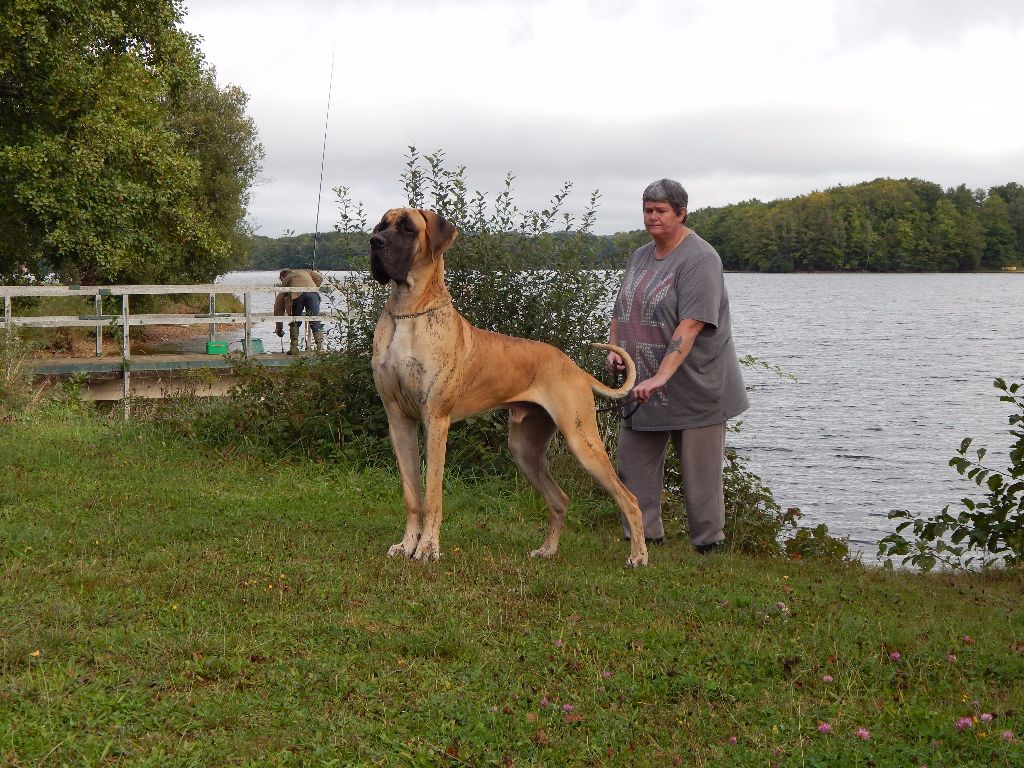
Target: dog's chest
{"x": 409, "y": 365}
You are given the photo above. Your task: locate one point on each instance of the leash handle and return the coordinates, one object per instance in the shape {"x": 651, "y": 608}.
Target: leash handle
{"x": 626, "y": 414}
{"x": 627, "y": 406}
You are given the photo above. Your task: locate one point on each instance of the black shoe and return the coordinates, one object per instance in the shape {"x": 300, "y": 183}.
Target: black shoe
{"x": 710, "y": 549}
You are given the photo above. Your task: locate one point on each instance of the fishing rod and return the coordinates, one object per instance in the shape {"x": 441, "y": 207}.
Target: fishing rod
{"x": 323, "y": 155}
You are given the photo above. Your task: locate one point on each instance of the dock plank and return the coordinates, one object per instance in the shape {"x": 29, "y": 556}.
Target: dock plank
{"x": 65, "y": 366}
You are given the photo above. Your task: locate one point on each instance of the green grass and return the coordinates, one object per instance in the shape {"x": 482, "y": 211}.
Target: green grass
{"x": 162, "y": 605}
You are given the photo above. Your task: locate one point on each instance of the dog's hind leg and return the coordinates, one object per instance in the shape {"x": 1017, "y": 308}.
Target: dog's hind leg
{"x": 581, "y": 436}
{"x": 407, "y": 451}
{"x": 528, "y": 438}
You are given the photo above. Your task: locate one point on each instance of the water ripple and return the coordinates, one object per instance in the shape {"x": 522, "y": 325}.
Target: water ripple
{"x": 894, "y": 371}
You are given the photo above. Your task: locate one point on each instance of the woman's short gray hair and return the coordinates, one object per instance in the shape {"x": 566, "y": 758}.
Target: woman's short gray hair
{"x": 667, "y": 191}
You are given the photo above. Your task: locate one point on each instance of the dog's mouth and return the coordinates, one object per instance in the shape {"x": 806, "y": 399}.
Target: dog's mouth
{"x": 386, "y": 263}
{"x": 380, "y": 255}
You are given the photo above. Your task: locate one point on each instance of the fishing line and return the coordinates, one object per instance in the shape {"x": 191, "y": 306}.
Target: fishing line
{"x": 323, "y": 155}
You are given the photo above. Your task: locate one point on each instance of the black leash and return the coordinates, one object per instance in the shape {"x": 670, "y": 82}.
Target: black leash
{"x": 626, "y": 407}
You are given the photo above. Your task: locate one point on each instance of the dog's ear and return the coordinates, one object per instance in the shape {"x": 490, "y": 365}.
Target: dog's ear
{"x": 441, "y": 233}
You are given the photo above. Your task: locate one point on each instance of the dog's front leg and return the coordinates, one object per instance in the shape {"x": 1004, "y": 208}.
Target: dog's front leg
{"x": 407, "y": 451}
{"x": 435, "y": 437}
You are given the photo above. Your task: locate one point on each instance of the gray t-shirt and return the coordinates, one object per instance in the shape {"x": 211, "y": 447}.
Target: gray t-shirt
{"x": 656, "y": 295}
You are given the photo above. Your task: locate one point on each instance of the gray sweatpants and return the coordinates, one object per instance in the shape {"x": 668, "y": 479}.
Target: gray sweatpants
{"x": 640, "y": 459}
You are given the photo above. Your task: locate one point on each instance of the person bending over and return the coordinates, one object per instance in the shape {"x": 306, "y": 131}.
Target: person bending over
{"x": 297, "y": 303}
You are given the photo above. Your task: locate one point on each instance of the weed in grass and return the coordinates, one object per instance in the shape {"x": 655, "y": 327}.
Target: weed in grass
{"x": 16, "y": 392}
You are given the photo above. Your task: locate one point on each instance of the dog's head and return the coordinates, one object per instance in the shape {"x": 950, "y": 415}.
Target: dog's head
{"x": 405, "y": 236}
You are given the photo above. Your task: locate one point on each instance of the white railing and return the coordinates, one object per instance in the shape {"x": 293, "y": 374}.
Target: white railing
{"x": 124, "y": 320}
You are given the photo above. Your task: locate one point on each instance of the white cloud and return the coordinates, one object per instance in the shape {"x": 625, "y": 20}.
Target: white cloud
{"x": 735, "y": 99}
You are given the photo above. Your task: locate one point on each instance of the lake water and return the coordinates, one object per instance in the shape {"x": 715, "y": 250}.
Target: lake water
{"x": 893, "y": 371}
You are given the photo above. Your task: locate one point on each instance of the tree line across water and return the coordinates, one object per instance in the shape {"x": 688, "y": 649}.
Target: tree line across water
{"x": 885, "y": 225}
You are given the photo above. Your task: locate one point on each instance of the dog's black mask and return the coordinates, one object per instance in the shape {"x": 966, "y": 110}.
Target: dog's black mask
{"x": 392, "y": 245}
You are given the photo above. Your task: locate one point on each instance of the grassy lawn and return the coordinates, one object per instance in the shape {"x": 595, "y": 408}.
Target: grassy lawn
{"x": 167, "y": 607}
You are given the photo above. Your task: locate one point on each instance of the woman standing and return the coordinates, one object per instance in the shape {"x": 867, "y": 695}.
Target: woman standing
{"x": 672, "y": 316}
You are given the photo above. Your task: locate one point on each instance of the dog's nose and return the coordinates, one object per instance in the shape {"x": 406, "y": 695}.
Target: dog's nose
{"x": 378, "y": 240}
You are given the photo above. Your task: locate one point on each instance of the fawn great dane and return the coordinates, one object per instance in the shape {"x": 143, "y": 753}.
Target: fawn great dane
{"x": 431, "y": 366}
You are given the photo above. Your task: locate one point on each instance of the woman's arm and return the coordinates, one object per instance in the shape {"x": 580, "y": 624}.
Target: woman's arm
{"x": 682, "y": 342}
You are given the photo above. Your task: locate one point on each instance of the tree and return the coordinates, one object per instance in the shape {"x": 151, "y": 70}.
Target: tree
{"x": 1013, "y": 194}
{"x": 816, "y": 236}
{"x": 947, "y": 236}
{"x": 963, "y": 198}
{"x": 1000, "y": 238}
{"x": 971, "y": 241}
{"x": 120, "y": 158}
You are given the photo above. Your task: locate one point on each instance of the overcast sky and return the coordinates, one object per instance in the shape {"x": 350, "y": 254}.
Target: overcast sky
{"x": 736, "y": 99}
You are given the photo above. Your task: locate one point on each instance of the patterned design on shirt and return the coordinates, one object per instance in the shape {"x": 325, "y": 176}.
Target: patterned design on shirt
{"x": 640, "y": 332}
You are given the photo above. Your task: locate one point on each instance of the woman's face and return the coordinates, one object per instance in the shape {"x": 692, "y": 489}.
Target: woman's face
{"x": 661, "y": 220}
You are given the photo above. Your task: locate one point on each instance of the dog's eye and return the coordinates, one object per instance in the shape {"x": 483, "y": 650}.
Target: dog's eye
{"x": 407, "y": 226}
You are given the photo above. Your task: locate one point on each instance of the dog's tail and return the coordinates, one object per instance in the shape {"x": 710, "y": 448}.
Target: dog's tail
{"x": 603, "y": 389}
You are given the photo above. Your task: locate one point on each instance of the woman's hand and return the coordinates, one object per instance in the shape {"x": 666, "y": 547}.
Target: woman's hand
{"x": 614, "y": 363}
{"x": 646, "y": 388}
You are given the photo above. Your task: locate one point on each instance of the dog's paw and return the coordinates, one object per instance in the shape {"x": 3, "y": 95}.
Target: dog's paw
{"x": 427, "y": 551}
{"x": 637, "y": 561}
{"x": 637, "y": 554}
{"x": 399, "y": 550}
{"x": 544, "y": 553}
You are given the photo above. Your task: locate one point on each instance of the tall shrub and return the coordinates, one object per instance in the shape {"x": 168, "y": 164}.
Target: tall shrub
{"x": 523, "y": 273}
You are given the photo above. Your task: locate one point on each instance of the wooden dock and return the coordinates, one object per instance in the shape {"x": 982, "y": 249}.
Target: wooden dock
{"x": 68, "y": 366}
{"x": 118, "y": 376}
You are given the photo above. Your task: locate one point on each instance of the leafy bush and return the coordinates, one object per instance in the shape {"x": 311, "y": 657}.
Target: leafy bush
{"x": 521, "y": 273}
{"x": 316, "y": 408}
{"x": 983, "y": 532}
{"x": 816, "y": 542}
